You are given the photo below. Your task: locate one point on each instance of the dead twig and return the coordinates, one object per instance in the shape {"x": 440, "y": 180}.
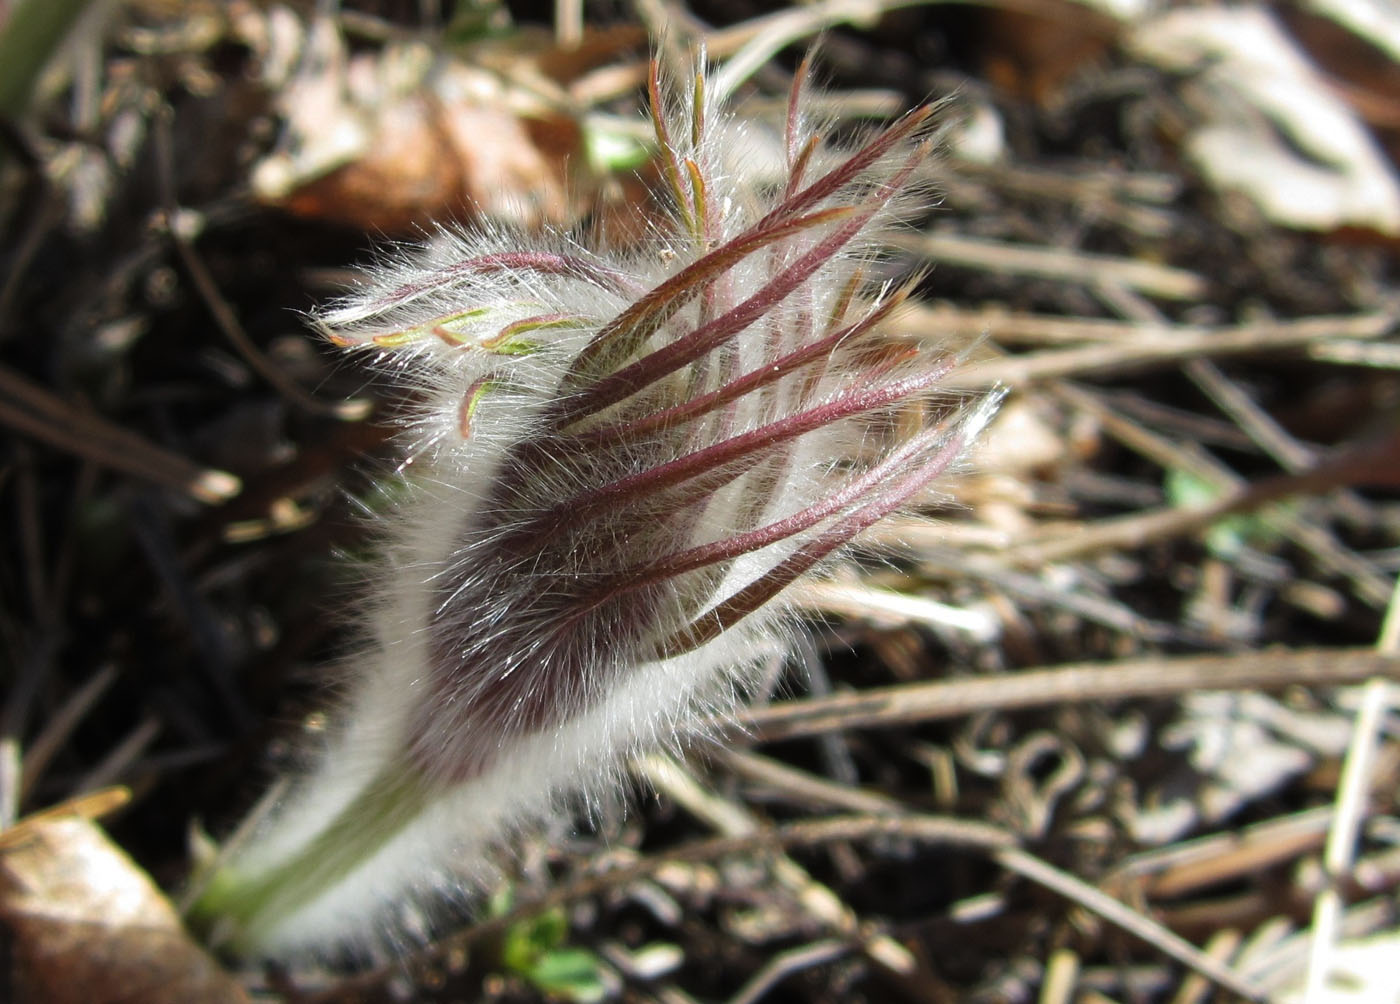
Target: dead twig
{"x": 1183, "y": 868}
{"x": 60, "y": 725}
{"x": 1075, "y": 683}
{"x": 181, "y": 225}
{"x": 45, "y": 416}
{"x": 1099, "y": 902}
{"x": 1060, "y": 264}
{"x": 1141, "y": 347}
{"x": 784, "y": 964}
{"x": 1195, "y": 988}
{"x": 1351, "y": 808}
{"x": 1370, "y": 463}
{"x": 1137, "y": 530}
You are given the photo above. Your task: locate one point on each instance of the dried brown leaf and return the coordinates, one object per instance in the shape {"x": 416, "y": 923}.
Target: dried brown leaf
{"x": 90, "y": 927}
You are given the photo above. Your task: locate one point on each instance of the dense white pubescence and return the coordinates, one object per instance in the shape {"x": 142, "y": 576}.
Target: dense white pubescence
{"x": 516, "y": 649}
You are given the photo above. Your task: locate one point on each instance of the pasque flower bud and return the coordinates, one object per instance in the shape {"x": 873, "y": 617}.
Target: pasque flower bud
{"x": 618, "y": 462}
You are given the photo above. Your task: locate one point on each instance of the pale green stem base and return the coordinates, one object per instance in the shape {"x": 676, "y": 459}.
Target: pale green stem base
{"x": 240, "y": 910}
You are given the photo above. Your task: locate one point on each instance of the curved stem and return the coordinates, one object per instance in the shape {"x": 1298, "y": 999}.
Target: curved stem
{"x": 254, "y": 903}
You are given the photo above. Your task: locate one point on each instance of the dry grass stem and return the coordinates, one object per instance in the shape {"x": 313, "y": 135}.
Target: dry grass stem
{"x": 1182, "y": 868}
{"x": 1352, "y": 808}
{"x": 1131, "y": 678}
{"x": 1143, "y": 348}
{"x": 1062, "y": 264}
{"x": 1096, "y": 901}
{"x": 36, "y": 412}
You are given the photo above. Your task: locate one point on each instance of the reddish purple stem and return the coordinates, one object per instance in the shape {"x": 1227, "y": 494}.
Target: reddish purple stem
{"x": 626, "y": 333}
{"x": 692, "y": 465}
{"x": 757, "y": 593}
{"x": 749, "y": 382}
{"x": 664, "y": 361}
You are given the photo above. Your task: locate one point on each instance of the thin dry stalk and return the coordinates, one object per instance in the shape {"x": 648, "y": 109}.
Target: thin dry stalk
{"x": 1061, "y": 264}
{"x": 47, "y": 417}
{"x": 1153, "y": 677}
{"x": 1144, "y": 348}
{"x": 1351, "y": 809}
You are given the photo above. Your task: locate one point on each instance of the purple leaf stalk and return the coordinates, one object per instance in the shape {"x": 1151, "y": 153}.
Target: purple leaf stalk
{"x": 618, "y": 463}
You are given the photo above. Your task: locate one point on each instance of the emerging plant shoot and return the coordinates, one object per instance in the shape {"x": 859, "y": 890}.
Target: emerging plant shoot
{"x": 618, "y": 463}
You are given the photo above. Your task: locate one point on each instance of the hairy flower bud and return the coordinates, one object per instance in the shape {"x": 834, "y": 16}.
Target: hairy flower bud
{"x": 619, "y": 462}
